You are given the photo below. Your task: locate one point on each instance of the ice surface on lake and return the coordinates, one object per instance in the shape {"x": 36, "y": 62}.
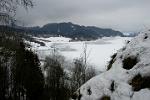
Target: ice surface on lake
{"x": 99, "y": 51}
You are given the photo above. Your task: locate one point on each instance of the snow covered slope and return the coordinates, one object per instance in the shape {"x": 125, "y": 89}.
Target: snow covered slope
{"x": 128, "y": 77}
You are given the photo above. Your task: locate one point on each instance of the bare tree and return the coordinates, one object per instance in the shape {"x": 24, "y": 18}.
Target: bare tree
{"x": 77, "y": 74}
{"x": 90, "y": 72}
{"x": 8, "y": 9}
{"x": 84, "y": 58}
{"x": 11, "y": 5}
{"x": 81, "y": 71}
{"x": 85, "y": 61}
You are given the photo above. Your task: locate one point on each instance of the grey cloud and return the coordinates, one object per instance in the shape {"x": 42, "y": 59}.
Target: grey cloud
{"x": 123, "y": 15}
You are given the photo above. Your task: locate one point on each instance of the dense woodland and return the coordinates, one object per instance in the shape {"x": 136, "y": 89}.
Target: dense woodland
{"x": 21, "y": 75}
{"x": 22, "y": 78}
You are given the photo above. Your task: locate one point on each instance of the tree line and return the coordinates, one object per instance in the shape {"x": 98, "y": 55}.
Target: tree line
{"x": 21, "y": 77}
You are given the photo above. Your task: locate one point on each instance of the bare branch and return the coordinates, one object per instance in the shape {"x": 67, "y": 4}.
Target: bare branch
{"x": 8, "y": 9}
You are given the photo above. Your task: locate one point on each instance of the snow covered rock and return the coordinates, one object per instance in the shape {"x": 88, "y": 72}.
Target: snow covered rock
{"x": 128, "y": 77}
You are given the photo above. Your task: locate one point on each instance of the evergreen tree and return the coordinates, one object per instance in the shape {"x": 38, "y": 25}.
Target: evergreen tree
{"x": 3, "y": 82}
{"x": 20, "y": 68}
{"x": 28, "y": 76}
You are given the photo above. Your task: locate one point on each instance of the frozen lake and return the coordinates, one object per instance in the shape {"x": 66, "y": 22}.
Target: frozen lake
{"x": 99, "y": 51}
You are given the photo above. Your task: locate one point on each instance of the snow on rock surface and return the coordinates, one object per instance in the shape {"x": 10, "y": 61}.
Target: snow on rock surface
{"x": 115, "y": 83}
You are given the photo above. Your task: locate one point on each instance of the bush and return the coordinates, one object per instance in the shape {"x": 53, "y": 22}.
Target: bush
{"x": 128, "y": 41}
{"x": 111, "y": 61}
{"x": 129, "y": 62}
{"x": 139, "y": 82}
{"x": 146, "y": 36}
{"x": 77, "y": 95}
{"x": 105, "y": 98}
{"x": 112, "y": 86}
{"x": 74, "y": 96}
{"x": 89, "y": 92}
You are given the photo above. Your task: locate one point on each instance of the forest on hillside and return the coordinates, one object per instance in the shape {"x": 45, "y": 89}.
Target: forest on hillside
{"x": 21, "y": 75}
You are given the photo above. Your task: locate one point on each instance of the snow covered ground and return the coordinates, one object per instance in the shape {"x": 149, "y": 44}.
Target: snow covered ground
{"x": 122, "y": 80}
{"x": 99, "y": 51}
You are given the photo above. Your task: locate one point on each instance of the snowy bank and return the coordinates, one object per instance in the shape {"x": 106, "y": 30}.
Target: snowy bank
{"x": 128, "y": 77}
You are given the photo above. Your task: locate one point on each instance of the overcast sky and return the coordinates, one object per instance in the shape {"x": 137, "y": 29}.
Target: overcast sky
{"x": 122, "y": 15}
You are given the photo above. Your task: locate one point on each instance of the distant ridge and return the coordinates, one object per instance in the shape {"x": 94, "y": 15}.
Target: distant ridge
{"x": 74, "y": 31}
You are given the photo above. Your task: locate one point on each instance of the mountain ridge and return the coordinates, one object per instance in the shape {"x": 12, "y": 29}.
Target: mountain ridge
{"x": 74, "y": 31}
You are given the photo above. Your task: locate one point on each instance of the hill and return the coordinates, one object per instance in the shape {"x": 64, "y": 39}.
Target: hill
{"x": 73, "y": 31}
{"x": 127, "y": 76}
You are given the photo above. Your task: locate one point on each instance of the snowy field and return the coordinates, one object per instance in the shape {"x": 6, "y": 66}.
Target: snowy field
{"x": 99, "y": 51}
